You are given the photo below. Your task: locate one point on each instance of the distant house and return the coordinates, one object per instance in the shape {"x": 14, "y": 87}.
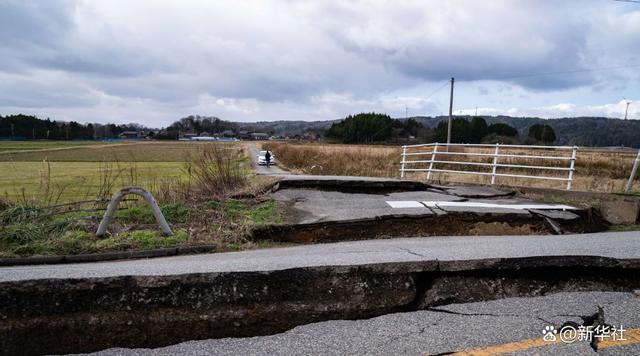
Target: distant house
{"x": 259, "y": 136}
{"x": 245, "y": 135}
{"x": 311, "y": 136}
{"x": 131, "y": 134}
{"x": 204, "y": 134}
{"x": 189, "y": 135}
{"x": 228, "y": 133}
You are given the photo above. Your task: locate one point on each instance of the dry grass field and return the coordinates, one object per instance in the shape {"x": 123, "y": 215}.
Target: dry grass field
{"x": 599, "y": 170}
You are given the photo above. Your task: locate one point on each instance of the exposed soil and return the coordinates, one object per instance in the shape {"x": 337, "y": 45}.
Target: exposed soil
{"x": 452, "y": 224}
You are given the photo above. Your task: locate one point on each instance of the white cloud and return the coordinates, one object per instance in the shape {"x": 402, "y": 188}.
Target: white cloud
{"x": 612, "y": 110}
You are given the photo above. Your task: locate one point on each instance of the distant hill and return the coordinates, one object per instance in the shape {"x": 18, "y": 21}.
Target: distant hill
{"x": 286, "y": 128}
{"x": 581, "y": 131}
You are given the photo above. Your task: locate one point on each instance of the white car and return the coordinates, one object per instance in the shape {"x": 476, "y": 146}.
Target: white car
{"x": 263, "y": 161}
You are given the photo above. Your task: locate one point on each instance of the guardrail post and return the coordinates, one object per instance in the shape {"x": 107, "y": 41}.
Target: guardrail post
{"x": 634, "y": 171}
{"x": 433, "y": 158}
{"x": 113, "y": 206}
{"x": 404, "y": 155}
{"x": 495, "y": 164}
{"x": 572, "y": 166}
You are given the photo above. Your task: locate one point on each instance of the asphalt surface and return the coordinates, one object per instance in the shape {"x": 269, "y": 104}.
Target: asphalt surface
{"x": 621, "y": 245}
{"x": 314, "y": 205}
{"x": 449, "y": 328}
{"x": 319, "y": 206}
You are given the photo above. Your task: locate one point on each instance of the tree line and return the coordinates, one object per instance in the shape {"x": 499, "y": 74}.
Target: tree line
{"x": 476, "y": 130}
{"x": 373, "y": 127}
{"x": 27, "y": 127}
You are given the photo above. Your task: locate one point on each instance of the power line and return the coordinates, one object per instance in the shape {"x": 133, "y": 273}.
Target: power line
{"x": 566, "y": 72}
{"x": 437, "y": 90}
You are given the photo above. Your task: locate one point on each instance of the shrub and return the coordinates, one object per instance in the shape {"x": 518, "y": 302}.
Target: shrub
{"x": 218, "y": 170}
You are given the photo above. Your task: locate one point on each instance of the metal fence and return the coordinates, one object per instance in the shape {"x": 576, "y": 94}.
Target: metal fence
{"x": 442, "y": 158}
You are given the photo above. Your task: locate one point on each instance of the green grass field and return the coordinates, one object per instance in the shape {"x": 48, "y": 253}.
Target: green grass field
{"x": 6, "y": 146}
{"x": 28, "y": 181}
{"x": 60, "y": 172}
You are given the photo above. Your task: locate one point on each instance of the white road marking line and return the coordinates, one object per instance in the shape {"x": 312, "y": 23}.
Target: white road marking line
{"x": 405, "y": 204}
{"x": 467, "y": 204}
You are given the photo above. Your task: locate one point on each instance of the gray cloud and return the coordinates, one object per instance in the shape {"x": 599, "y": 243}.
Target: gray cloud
{"x": 254, "y": 59}
{"x": 471, "y": 40}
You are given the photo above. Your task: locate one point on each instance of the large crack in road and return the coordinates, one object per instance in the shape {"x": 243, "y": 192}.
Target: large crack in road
{"x": 90, "y": 314}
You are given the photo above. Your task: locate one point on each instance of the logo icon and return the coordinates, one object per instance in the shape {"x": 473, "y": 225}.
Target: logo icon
{"x": 549, "y": 333}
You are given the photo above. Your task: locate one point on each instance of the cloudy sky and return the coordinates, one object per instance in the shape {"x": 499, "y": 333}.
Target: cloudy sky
{"x": 153, "y": 62}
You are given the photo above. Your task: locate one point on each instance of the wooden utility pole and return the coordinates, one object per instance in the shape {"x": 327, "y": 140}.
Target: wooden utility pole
{"x": 450, "y": 115}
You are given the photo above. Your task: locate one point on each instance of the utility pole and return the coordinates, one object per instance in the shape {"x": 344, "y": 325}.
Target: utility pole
{"x": 627, "y": 109}
{"x": 450, "y": 115}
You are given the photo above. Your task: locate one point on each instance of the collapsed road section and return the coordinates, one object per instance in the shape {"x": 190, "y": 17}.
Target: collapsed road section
{"x": 329, "y": 209}
{"x": 152, "y": 303}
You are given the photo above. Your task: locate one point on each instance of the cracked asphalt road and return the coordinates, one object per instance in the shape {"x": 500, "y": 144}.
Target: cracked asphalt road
{"x": 620, "y": 245}
{"x": 511, "y": 325}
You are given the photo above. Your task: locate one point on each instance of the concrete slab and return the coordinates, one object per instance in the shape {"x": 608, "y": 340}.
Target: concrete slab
{"x": 556, "y": 214}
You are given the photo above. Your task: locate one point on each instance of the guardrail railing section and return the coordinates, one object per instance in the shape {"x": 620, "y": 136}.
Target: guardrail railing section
{"x": 493, "y": 160}
{"x": 634, "y": 172}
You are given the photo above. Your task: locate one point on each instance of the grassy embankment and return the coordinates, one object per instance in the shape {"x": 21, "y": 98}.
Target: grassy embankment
{"x": 193, "y": 182}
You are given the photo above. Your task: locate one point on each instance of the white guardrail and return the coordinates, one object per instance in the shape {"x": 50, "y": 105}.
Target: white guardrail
{"x": 439, "y": 153}
{"x": 634, "y": 171}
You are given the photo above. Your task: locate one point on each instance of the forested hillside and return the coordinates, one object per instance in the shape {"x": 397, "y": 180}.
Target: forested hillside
{"x": 582, "y": 131}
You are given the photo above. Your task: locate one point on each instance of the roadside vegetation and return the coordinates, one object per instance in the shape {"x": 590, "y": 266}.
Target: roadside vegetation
{"x": 210, "y": 198}
{"x": 343, "y": 160}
